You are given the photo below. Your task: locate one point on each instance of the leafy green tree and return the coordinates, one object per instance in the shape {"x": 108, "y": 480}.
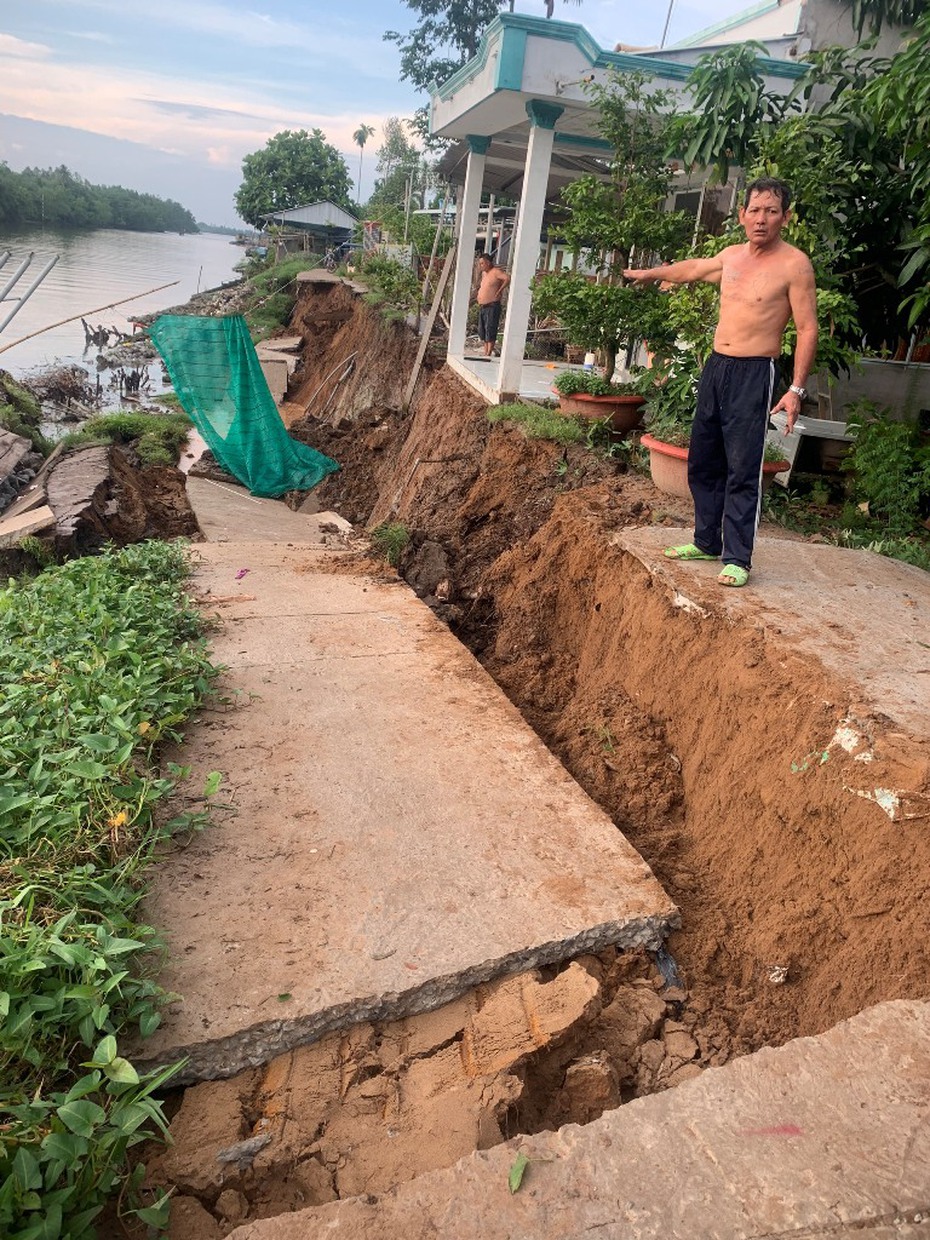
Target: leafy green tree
{"x": 852, "y": 141}
{"x": 360, "y": 137}
{"x": 876, "y": 14}
{"x": 401, "y": 169}
{"x": 608, "y": 220}
{"x": 445, "y": 38}
{"x": 292, "y": 169}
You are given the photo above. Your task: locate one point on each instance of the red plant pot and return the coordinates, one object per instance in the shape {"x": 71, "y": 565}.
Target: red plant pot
{"x": 668, "y": 465}
{"x": 625, "y": 412}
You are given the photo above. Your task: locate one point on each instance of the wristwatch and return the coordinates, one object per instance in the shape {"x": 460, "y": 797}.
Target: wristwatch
{"x": 800, "y": 392}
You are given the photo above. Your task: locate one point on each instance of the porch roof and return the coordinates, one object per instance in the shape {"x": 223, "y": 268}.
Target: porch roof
{"x": 522, "y": 59}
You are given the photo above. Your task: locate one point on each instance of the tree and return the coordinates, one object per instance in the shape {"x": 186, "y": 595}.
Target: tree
{"x": 878, "y": 13}
{"x": 360, "y": 137}
{"x": 399, "y": 162}
{"x": 853, "y": 141}
{"x": 607, "y": 220}
{"x": 292, "y": 169}
{"x": 446, "y": 38}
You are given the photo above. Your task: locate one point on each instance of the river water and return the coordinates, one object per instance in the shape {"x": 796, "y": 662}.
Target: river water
{"x": 95, "y": 269}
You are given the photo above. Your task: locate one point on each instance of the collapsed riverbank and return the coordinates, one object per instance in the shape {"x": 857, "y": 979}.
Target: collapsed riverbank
{"x": 723, "y": 737}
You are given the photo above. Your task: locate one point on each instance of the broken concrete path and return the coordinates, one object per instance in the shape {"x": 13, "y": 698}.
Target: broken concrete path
{"x": 400, "y": 834}
{"x": 862, "y": 615}
{"x": 227, "y": 512}
{"x": 827, "y": 1136}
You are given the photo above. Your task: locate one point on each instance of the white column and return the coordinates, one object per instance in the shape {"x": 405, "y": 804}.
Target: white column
{"x": 467, "y": 231}
{"x": 526, "y": 243}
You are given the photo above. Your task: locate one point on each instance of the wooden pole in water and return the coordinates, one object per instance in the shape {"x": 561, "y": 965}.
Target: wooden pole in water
{"x": 99, "y": 310}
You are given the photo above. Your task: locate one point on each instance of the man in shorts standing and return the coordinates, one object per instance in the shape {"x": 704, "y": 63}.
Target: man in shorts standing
{"x": 764, "y": 283}
{"x": 493, "y": 281}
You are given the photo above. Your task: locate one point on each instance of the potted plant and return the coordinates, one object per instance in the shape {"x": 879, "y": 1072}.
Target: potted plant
{"x": 668, "y": 461}
{"x": 586, "y": 394}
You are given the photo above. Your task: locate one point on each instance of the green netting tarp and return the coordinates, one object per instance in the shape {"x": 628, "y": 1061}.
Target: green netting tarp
{"x": 218, "y": 379}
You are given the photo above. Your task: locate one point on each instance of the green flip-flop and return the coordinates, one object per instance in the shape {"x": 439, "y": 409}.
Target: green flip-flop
{"x": 688, "y": 552}
{"x": 733, "y": 575}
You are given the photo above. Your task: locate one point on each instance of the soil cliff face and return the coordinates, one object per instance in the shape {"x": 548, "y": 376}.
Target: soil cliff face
{"x": 800, "y": 904}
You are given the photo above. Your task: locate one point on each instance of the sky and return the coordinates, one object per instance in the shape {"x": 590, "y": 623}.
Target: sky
{"x": 168, "y": 98}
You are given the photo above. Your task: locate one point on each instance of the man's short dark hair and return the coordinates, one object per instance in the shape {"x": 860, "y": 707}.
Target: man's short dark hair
{"x": 488, "y": 257}
{"x": 771, "y": 185}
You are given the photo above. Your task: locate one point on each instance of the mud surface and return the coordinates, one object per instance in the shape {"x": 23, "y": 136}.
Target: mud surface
{"x": 801, "y": 904}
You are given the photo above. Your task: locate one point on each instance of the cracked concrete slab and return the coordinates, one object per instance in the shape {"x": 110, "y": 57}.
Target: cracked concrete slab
{"x": 397, "y": 833}
{"x": 862, "y": 615}
{"x": 824, "y": 1137}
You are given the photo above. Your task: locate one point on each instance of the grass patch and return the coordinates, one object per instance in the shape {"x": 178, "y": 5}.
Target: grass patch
{"x": 158, "y": 437}
{"x": 389, "y": 540}
{"x": 21, "y": 413}
{"x": 539, "y": 422}
{"x": 274, "y": 295}
{"x": 104, "y": 658}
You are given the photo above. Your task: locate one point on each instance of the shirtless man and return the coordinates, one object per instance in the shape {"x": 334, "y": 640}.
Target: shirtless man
{"x": 763, "y": 283}
{"x": 493, "y": 282}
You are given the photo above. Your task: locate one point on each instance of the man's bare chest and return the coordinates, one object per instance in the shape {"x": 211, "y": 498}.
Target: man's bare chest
{"x": 753, "y": 284}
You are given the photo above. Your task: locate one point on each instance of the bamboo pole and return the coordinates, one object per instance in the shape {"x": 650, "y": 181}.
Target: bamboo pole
{"x": 99, "y": 310}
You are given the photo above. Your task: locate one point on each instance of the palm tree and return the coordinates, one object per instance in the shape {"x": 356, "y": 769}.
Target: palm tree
{"x": 360, "y": 137}
{"x": 550, "y": 6}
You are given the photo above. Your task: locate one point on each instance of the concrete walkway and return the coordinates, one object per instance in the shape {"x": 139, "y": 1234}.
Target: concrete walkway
{"x": 398, "y": 834}
{"x": 825, "y": 1137}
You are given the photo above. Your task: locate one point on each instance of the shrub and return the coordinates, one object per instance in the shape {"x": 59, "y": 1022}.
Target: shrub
{"x": 890, "y": 466}
{"x": 590, "y": 383}
{"x": 391, "y": 285}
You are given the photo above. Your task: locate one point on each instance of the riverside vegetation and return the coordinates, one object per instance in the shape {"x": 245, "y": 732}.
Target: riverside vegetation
{"x": 105, "y": 659}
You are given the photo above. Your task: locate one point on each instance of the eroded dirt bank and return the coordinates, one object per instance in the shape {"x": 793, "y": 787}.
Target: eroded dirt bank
{"x": 801, "y": 903}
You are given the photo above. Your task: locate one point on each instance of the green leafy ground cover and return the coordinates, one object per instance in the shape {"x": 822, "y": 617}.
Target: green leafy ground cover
{"x": 103, "y": 658}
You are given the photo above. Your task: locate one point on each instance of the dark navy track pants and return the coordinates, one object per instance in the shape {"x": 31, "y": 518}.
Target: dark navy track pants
{"x": 725, "y": 457}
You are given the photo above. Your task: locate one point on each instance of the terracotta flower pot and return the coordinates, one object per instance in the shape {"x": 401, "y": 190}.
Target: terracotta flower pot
{"x": 668, "y": 466}
{"x": 625, "y": 412}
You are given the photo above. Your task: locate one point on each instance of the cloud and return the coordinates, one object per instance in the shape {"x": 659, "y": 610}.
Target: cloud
{"x": 197, "y": 112}
{"x": 91, "y": 36}
{"x": 11, "y": 46}
{"x": 335, "y": 39}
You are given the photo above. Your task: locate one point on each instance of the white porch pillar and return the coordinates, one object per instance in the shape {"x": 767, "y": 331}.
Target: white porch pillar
{"x": 467, "y": 232}
{"x": 543, "y": 117}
